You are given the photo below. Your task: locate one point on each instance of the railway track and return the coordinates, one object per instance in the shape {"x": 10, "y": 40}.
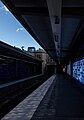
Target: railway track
{"x": 8, "y": 102}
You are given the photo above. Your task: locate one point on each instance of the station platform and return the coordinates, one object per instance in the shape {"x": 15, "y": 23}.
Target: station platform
{"x": 56, "y": 99}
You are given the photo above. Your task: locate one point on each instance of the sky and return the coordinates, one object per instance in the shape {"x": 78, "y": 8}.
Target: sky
{"x": 12, "y": 32}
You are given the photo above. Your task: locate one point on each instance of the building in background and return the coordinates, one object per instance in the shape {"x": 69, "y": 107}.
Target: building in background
{"x": 48, "y": 64}
{"x": 31, "y": 49}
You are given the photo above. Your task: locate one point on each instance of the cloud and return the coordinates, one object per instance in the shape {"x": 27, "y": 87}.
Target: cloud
{"x": 19, "y": 29}
{"x": 1, "y": 7}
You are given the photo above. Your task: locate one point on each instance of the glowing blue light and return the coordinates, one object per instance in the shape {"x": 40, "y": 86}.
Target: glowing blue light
{"x": 78, "y": 70}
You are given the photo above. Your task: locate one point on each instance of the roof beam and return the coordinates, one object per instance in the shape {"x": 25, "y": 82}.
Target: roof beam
{"x": 54, "y": 50}
{"x": 40, "y": 11}
{"x": 72, "y": 51}
{"x": 54, "y": 7}
{"x": 73, "y": 11}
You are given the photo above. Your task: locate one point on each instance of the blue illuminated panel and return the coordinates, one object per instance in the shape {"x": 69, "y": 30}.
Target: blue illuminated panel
{"x": 78, "y": 70}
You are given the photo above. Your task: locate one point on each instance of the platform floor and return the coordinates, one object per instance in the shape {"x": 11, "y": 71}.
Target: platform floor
{"x": 26, "y": 109}
{"x": 56, "y": 99}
